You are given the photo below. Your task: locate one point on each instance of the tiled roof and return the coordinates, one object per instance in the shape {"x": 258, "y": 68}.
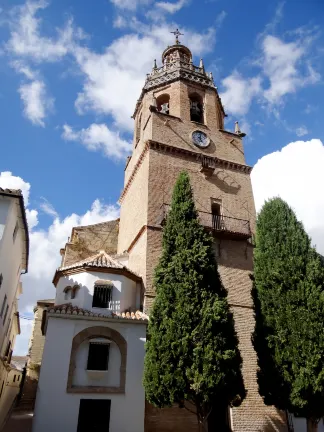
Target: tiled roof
{"x": 18, "y": 362}
{"x": 68, "y": 309}
{"x": 99, "y": 260}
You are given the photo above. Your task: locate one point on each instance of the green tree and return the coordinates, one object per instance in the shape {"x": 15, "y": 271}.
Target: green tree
{"x": 192, "y": 349}
{"x": 289, "y": 310}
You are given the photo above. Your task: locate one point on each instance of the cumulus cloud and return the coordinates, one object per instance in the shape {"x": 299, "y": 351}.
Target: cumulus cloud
{"x": 295, "y": 173}
{"x": 36, "y": 101}
{"x": 45, "y": 244}
{"x": 26, "y": 40}
{"x": 301, "y": 131}
{"x": 239, "y": 92}
{"x": 97, "y": 137}
{"x": 171, "y": 7}
{"x": 130, "y": 4}
{"x": 283, "y": 67}
{"x": 113, "y": 79}
{"x": 9, "y": 181}
{"x": 281, "y": 63}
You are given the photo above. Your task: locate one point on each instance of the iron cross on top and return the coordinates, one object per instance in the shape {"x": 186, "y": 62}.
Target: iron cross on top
{"x": 177, "y": 34}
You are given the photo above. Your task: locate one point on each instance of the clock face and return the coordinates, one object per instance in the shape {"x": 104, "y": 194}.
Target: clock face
{"x": 200, "y": 139}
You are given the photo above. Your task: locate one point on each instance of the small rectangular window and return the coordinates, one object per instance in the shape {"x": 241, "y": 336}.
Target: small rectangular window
{"x": 14, "y": 380}
{"x": 102, "y": 296}
{"x": 1, "y": 280}
{"x": 15, "y": 232}
{"x": 18, "y": 378}
{"x": 3, "y": 305}
{"x": 98, "y": 356}
{"x": 5, "y": 315}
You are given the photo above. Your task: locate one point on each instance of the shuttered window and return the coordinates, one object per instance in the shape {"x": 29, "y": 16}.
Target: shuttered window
{"x": 102, "y": 296}
{"x": 98, "y": 356}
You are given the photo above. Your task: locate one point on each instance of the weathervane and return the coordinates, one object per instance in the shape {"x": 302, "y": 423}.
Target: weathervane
{"x": 177, "y": 34}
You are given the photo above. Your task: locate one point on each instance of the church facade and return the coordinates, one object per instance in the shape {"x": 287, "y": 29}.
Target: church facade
{"x": 104, "y": 285}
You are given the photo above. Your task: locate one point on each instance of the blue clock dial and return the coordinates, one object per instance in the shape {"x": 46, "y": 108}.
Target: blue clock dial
{"x": 200, "y": 139}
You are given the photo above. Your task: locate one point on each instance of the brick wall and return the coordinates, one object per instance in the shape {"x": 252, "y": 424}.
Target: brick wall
{"x": 140, "y": 229}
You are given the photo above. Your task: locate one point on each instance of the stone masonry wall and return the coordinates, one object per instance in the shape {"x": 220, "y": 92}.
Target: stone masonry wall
{"x": 35, "y": 354}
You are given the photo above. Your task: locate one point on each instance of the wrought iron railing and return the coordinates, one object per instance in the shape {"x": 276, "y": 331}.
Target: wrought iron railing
{"x": 232, "y": 227}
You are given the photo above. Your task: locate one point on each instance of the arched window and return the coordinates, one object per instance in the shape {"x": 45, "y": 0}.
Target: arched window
{"x": 74, "y": 291}
{"x": 163, "y": 103}
{"x": 68, "y": 293}
{"x": 196, "y": 108}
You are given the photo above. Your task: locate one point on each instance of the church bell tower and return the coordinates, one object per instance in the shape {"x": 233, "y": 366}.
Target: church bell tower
{"x": 179, "y": 125}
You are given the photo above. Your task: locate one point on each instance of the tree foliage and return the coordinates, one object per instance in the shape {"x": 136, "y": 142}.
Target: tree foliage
{"x": 289, "y": 309}
{"x": 192, "y": 349}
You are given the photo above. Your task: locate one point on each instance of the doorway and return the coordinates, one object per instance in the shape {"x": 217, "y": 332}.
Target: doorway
{"x": 94, "y": 415}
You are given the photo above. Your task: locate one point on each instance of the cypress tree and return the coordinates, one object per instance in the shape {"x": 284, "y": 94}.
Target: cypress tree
{"x": 289, "y": 309}
{"x": 192, "y": 351}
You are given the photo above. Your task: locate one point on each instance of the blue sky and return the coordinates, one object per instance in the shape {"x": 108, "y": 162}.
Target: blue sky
{"x": 71, "y": 71}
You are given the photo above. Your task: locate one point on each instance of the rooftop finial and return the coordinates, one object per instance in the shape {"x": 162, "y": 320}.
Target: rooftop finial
{"x": 238, "y": 130}
{"x": 177, "y": 34}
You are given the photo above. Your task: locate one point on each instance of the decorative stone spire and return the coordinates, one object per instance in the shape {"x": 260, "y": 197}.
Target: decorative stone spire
{"x": 238, "y": 130}
{"x": 177, "y": 34}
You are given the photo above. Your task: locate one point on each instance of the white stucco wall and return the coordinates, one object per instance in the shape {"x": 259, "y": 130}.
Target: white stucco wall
{"x": 10, "y": 263}
{"x": 9, "y": 392}
{"x": 123, "y": 294}
{"x": 127, "y": 410}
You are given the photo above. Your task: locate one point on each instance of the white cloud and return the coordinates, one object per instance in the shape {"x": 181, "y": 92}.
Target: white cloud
{"x": 295, "y": 173}
{"x": 36, "y": 101}
{"x": 48, "y": 208}
{"x": 301, "y": 131}
{"x": 171, "y": 7}
{"x": 113, "y": 80}
{"x": 130, "y": 4}
{"x": 24, "y": 69}
{"x": 44, "y": 253}
{"x": 26, "y": 40}
{"x": 239, "y": 92}
{"x": 97, "y": 137}
{"x": 9, "y": 181}
{"x": 281, "y": 64}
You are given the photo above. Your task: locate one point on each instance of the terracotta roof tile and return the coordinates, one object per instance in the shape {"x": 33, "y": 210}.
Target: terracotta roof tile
{"x": 99, "y": 260}
{"x": 69, "y": 309}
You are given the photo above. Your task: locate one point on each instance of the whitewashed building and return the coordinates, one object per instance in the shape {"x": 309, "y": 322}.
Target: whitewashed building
{"x": 14, "y": 249}
{"x": 93, "y": 356}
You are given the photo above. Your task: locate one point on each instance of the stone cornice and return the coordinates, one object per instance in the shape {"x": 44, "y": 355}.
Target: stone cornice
{"x": 217, "y": 162}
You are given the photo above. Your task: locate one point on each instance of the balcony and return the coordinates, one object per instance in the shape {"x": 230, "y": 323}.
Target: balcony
{"x": 222, "y": 226}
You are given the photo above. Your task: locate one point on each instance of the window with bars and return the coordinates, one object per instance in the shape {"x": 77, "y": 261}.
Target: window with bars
{"x": 102, "y": 296}
{"x": 98, "y": 356}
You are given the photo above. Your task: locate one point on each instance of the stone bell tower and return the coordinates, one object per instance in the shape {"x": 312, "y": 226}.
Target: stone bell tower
{"x": 179, "y": 125}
